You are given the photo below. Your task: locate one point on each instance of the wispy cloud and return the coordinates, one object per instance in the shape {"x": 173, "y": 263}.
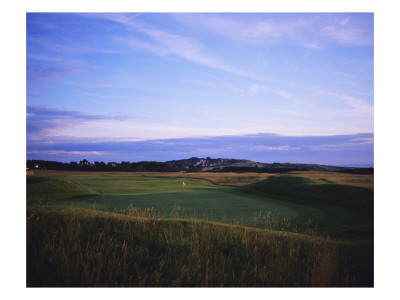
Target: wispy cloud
{"x": 256, "y": 89}
{"x": 163, "y": 43}
{"x": 40, "y": 75}
{"x": 356, "y": 103}
{"x": 257, "y": 31}
{"x": 68, "y": 153}
{"x": 209, "y": 84}
{"x": 274, "y": 148}
{"x": 289, "y": 28}
{"x": 348, "y": 31}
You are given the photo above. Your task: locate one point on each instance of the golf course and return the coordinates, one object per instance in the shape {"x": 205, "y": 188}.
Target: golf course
{"x": 144, "y": 229}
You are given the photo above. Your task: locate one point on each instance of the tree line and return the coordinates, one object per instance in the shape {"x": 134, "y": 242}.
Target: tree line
{"x": 85, "y": 165}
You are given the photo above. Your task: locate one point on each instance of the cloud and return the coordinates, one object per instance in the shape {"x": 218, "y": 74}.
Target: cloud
{"x": 312, "y": 32}
{"x": 331, "y": 150}
{"x": 358, "y": 104}
{"x": 364, "y": 140}
{"x": 163, "y": 43}
{"x": 40, "y": 75}
{"x": 44, "y": 121}
{"x": 74, "y": 153}
{"x": 256, "y": 89}
{"x": 204, "y": 83}
{"x": 162, "y": 143}
{"x": 347, "y": 31}
{"x": 275, "y": 148}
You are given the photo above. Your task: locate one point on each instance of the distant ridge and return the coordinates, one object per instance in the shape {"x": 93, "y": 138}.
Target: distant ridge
{"x": 208, "y": 164}
{"x": 193, "y": 164}
{"x": 358, "y": 166}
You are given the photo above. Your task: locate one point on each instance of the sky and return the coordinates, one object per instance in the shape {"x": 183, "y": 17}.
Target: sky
{"x": 270, "y": 87}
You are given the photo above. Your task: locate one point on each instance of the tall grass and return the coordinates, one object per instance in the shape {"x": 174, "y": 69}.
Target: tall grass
{"x": 263, "y": 219}
{"x": 76, "y": 247}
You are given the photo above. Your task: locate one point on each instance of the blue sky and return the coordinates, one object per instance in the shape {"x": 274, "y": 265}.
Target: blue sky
{"x": 294, "y": 87}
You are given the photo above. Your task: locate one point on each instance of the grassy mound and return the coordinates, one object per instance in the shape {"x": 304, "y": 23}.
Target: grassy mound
{"x": 348, "y": 210}
{"x": 77, "y": 247}
{"x": 41, "y": 190}
{"x": 316, "y": 190}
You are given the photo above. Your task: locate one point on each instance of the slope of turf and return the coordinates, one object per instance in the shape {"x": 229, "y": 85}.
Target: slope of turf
{"x": 50, "y": 189}
{"x": 77, "y": 247}
{"x": 314, "y": 190}
{"x": 348, "y": 209}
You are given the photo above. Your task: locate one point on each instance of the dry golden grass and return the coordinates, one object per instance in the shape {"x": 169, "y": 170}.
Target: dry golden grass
{"x": 340, "y": 178}
{"x": 82, "y": 248}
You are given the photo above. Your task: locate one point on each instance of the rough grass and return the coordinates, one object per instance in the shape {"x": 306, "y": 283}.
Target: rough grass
{"x": 75, "y": 247}
{"x": 366, "y": 180}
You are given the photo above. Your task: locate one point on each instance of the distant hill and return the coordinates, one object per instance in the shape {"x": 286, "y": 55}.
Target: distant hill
{"x": 209, "y": 164}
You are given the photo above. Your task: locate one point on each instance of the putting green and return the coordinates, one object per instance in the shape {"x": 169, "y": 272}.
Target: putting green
{"x": 200, "y": 199}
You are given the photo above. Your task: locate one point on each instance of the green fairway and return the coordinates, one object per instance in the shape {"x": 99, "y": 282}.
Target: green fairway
{"x": 291, "y": 198}
{"x": 200, "y": 199}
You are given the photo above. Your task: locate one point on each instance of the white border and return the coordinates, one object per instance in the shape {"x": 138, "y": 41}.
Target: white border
{"x": 13, "y": 149}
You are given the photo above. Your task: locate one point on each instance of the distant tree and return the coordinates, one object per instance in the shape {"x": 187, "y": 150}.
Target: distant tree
{"x": 84, "y": 162}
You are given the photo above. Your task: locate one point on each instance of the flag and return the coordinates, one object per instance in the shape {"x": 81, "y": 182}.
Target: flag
{"x": 183, "y": 184}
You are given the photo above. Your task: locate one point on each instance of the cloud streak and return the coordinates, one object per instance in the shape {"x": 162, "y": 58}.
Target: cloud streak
{"x": 312, "y": 32}
{"x": 163, "y": 43}
{"x": 40, "y": 75}
{"x": 358, "y": 104}
{"x": 68, "y": 153}
{"x": 44, "y": 121}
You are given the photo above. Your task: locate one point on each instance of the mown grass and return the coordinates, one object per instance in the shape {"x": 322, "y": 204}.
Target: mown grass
{"x": 83, "y": 248}
{"x": 201, "y": 199}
